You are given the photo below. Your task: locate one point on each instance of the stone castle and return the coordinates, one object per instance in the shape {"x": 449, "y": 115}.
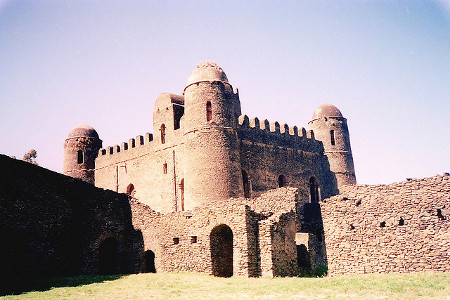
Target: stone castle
{"x": 204, "y": 150}
{"x": 216, "y": 192}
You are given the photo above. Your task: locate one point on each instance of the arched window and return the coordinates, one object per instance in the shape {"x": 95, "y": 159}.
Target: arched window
{"x": 208, "y": 111}
{"x": 313, "y": 190}
{"x": 333, "y": 142}
{"x": 182, "y": 194}
{"x": 246, "y": 184}
{"x": 163, "y": 134}
{"x": 80, "y": 157}
{"x": 281, "y": 181}
{"x": 130, "y": 190}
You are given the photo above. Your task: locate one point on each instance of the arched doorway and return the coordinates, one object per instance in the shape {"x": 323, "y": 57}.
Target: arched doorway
{"x": 313, "y": 190}
{"x": 221, "y": 243}
{"x": 149, "y": 260}
{"x": 108, "y": 256}
{"x": 246, "y": 184}
{"x": 281, "y": 181}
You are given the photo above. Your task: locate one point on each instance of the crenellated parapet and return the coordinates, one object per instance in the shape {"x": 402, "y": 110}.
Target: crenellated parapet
{"x": 133, "y": 143}
{"x": 272, "y": 133}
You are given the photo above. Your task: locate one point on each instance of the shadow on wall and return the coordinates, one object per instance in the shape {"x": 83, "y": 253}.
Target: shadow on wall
{"x": 51, "y": 226}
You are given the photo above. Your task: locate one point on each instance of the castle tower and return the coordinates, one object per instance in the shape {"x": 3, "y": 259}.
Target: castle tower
{"x": 330, "y": 127}
{"x": 80, "y": 151}
{"x": 212, "y": 161}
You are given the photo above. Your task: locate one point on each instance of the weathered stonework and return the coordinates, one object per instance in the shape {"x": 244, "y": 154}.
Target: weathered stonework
{"x": 216, "y": 192}
{"x": 402, "y": 227}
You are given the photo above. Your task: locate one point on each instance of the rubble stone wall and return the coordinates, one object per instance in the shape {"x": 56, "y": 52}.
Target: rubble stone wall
{"x": 401, "y": 227}
{"x": 53, "y": 225}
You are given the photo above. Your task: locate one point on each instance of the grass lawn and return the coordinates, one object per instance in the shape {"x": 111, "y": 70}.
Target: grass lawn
{"x": 198, "y": 286}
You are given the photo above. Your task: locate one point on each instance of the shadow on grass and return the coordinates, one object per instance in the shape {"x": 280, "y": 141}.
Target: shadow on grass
{"x": 45, "y": 284}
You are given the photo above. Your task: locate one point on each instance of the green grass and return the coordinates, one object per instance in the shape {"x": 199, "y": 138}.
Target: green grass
{"x": 198, "y": 286}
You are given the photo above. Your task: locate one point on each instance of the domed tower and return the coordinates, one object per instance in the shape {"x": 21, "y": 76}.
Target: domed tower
{"x": 212, "y": 161}
{"x": 80, "y": 151}
{"x": 330, "y": 127}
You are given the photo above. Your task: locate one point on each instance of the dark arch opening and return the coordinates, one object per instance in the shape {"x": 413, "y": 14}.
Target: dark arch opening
{"x": 246, "y": 184}
{"x": 208, "y": 111}
{"x": 130, "y": 190}
{"x": 163, "y": 134}
{"x": 149, "y": 259}
{"x": 303, "y": 259}
{"x": 80, "y": 157}
{"x": 281, "y": 181}
{"x": 313, "y": 190}
{"x": 221, "y": 243}
{"x": 108, "y": 256}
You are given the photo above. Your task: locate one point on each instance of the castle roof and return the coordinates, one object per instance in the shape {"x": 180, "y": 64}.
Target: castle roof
{"x": 83, "y": 130}
{"x": 327, "y": 110}
{"x": 207, "y": 71}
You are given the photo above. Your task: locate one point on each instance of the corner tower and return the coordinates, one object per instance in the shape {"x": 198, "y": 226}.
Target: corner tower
{"x": 80, "y": 151}
{"x": 330, "y": 127}
{"x": 212, "y": 160}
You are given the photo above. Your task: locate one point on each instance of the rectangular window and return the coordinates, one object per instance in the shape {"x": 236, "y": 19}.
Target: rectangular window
{"x": 165, "y": 168}
{"x": 193, "y": 239}
{"x": 176, "y": 240}
{"x": 333, "y": 142}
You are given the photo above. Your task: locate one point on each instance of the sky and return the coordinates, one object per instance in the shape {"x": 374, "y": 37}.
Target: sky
{"x": 384, "y": 64}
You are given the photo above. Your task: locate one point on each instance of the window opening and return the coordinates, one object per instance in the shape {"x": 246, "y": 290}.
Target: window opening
{"x": 163, "y": 134}
{"x": 80, "y": 157}
{"x": 313, "y": 190}
{"x": 193, "y": 239}
{"x": 165, "y": 168}
{"x": 130, "y": 190}
{"x": 208, "y": 111}
{"x": 246, "y": 184}
{"x": 333, "y": 142}
{"x": 176, "y": 240}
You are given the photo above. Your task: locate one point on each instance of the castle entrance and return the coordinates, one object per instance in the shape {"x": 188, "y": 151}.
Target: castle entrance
{"x": 108, "y": 256}
{"x": 149, "y": 259}
{"x": 221, "y": 243}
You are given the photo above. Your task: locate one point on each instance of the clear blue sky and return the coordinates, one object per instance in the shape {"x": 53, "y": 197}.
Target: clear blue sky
{"x": 385, "y": 64}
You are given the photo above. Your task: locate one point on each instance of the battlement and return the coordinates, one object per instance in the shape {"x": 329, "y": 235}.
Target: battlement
{"x": 272, "y": 133}
{"x": 140, "y": 140}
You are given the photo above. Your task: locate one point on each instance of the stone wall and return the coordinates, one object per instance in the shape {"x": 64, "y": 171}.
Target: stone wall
{"x": 52, "y": 225}
{"x": 264, "y": 234}
{"x": 402, "y": 227}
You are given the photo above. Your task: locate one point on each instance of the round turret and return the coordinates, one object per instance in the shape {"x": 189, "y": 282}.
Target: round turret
{"x": 330, "y": 127}
{"x": 212, "y": 160}
{"x": 80, "y": 151}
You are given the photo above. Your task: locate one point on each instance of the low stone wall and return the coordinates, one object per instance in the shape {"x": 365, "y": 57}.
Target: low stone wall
{"x": 402, "y": 227}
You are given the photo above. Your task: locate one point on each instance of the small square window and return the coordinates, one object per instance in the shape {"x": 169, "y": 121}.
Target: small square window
{"x": 165, "y": 168}
{"x": 176, "y": 240}
{"x": 193, "y": 239}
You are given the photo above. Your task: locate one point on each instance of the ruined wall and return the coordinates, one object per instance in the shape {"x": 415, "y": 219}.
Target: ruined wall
{"x": 52, "y": 225}
{"x": 181, "y": 240}
{"x": 268, "y": 151}
{"x": 402, "y": 227}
